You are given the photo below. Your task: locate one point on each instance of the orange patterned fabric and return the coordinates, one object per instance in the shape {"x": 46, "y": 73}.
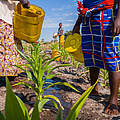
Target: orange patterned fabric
{"x": 8, "y": 54}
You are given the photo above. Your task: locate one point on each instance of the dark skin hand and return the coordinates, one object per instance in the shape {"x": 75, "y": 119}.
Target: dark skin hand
{"x": 25, "y": 3}
{"x": 116, "y": 24}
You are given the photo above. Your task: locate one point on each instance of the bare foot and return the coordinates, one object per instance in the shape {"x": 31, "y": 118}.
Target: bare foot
{"x": 111, "y": 109}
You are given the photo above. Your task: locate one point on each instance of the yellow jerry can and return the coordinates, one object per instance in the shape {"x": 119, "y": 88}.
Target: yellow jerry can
{"x": 55, "y": 53}
{"x": 73, "y": 44}
{"x": 28, "y": 22}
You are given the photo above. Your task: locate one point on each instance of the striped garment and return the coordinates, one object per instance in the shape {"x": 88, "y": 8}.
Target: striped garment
{"x": 95, "y": 3}
{"x": 90, "y": 3}
{"x": 100, "y": 48}
{"x": 88, "y": 7}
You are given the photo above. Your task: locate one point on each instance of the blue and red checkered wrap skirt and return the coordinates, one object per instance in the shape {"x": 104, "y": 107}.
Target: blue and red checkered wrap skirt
{"x": 100, "y": 47}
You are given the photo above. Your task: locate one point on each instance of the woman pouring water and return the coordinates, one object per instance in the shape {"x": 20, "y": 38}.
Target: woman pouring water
{"x": 8, "y": 43}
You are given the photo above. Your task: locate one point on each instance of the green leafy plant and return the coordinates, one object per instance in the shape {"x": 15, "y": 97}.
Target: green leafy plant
{"x": 40, "y": 64}
{"x": 76, "y": 64}
{"x": 15, "y": 108}
{"x": 84, "y": 70}
{"x": 104, "y": 76}
{"x": 72, "y": 115}
{"x": 64, "y": 55}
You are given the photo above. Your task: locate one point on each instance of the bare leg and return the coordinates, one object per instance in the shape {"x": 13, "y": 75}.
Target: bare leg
{"x": 114, "y": 79}
{"x": 94, "y": 73}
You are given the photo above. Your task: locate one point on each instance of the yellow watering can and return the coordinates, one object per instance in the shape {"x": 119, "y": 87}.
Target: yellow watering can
{"x": 73, "y": 44}
{"x": 28, "y": 22}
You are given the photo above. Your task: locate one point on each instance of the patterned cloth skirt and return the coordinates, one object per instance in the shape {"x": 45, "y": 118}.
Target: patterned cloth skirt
{"x": 8, "y": 54}
{"x": 100, "y": 47}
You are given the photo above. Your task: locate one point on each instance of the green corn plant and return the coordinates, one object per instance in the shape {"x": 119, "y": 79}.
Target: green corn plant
{"x": 71, "y": 58}
{"x": 15, "y": 108}
{"x": 54, "y": 46}
{"x": 84, "y": 70}
{"x": 40, "y": 64}
{"x": 104, "y": 76}
{"x": 64, "y": 55}
{"x": 74, "y": 111}
{"x": 76, "y": 64}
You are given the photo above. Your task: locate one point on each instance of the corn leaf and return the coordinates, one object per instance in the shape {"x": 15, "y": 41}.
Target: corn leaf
{"x": 50, "y": 76}
{"x": 31, "y": 77}
{"x": 28, "y": 85}
{"x": 40, "y": 72}
{"x": 59, "y": 115}
{"x": 45, "y": 60}
{"x": 48, "y": 83}
{"x": 2, "y": 116}
{"x": 54, "y": 98}
{"x": 55, "y": 104}
{"x": 101, "y": 75}
{"x": 63, "y": 65}
{"x": 13, "y": 109}
{"x": 46, "y": 68}
{"x": 24, "y": 109}
{"x": 82, "y": 73}
{"x": 29, "y": 74}
{"x": 42, "y": 103}
{"x": 35, "y": 113}
{"x": 61, "y": 83}
{"x": 51, "y": 60}
{"x": 102, "y": 84}
{"x": 24, "y": 56}
{"x": 78, "y": 105}
{"x": 27, "y": 65}
{"x": 19, "y": 66}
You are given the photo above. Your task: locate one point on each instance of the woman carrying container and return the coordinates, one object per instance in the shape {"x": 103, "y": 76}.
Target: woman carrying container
{"x": 100, "y": 43}
{"x": 8, "y": 43}
{"x": 61, "y": 35}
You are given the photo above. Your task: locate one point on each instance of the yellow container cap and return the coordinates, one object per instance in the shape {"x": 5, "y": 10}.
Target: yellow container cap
{"x": 73, "y": 42}
{"x": 73, "y": 45}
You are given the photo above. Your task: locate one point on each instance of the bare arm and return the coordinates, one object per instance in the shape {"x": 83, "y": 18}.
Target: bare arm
{"x": 25, "y": 3}
{"x": 116, "y": 25}
{"x": 76, "y": 28}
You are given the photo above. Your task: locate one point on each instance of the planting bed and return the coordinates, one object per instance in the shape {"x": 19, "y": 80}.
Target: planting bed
{"x": 92, "y": 110}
